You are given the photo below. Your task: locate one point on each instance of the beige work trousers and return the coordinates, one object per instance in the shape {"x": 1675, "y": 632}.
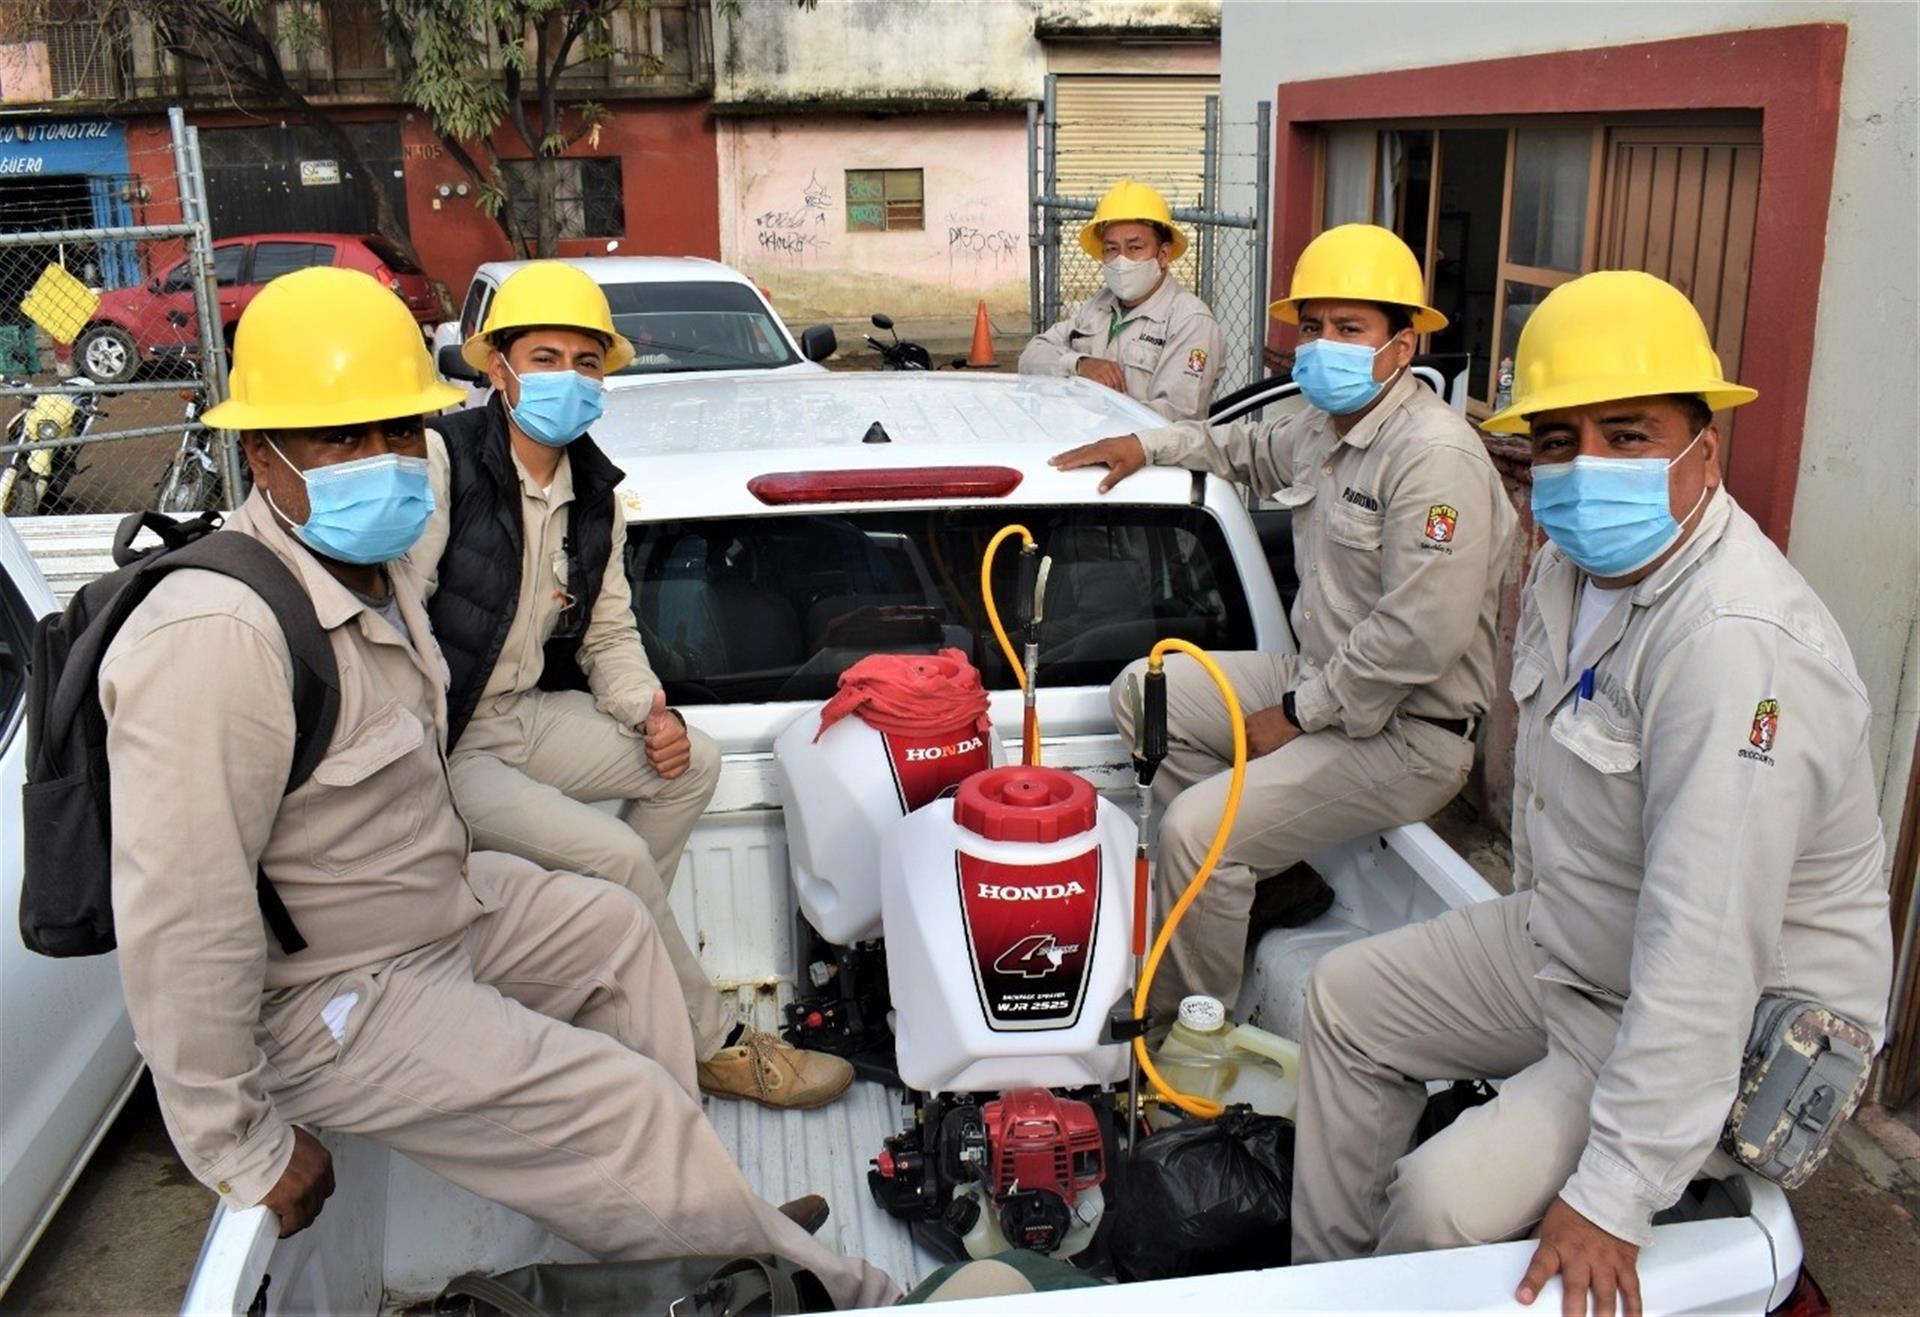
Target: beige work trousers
{"x": 526, "y": 780}
{"x": 1455, "y": 997}
{"x": 1319, "y": 788}
{"x": 541, "y": 1059}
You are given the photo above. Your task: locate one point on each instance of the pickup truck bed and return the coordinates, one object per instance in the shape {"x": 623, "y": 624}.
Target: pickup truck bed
{"x": 745, "y": 599}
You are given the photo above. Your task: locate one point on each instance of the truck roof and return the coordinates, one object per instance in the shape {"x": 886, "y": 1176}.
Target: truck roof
{"x": 689, "y": 444}
{"x": 632, "y": 269}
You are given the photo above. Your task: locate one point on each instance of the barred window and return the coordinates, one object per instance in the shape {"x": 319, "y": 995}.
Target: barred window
{"x": 879, "y": 200}
{"x": 588, "y": 200}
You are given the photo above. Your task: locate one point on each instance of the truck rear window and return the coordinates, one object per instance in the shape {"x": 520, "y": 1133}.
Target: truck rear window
{"x": 758, "y": 609}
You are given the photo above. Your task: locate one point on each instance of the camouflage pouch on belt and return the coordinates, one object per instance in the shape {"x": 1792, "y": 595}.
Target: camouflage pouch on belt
{"x": 1805, "y": 1070}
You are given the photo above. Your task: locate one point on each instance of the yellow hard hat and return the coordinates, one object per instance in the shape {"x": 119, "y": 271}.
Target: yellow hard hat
{"x": 1130, "y": 200}
{"x": 1608, "y": 335}
{"x": 1359, "y": 263}
{"x": 327, "y": 346}
{"x": 549, "y": 294}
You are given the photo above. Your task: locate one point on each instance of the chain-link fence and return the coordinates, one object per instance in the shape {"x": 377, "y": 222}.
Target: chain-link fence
{"x": 1216, "y": 181}
{"x": 111, "y": 310}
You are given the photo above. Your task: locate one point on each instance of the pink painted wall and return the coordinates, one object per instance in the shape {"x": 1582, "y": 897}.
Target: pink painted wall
{"x": 783, "y": 209}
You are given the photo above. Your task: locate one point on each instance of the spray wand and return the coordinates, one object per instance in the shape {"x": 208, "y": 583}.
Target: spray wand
{"x": 1029, "y": 610}
{"x": 1150, "y": 747}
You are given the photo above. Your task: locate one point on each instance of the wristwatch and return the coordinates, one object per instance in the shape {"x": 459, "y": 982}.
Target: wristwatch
{"x": 1286, "y": 708}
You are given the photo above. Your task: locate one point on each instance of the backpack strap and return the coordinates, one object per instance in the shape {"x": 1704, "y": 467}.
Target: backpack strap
{"x": 316, "y": 675}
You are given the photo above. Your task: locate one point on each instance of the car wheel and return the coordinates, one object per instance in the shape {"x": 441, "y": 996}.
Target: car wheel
{"x": 108, "y": 355}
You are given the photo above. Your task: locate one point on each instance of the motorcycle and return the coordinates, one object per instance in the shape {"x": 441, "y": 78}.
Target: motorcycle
{"x": 191, "y": 482}
{"x": 35, "y": 479}
{"x": 898, "y": 355}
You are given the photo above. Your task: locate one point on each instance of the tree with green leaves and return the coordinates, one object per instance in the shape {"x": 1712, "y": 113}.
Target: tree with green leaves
{"x": 474, "y": 67}
{"x": 228, "y": 41}
{"x": 442, "y": 49}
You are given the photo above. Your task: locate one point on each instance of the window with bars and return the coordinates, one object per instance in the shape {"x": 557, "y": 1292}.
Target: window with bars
{"x": 1500, "y": 214}
{"x": 880, "y": 200}
{"x": 588, "y": 201}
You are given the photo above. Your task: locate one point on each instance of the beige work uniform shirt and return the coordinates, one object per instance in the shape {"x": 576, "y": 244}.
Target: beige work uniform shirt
{"x": 369, "y": 855}
{"x": 1401, "y": 535}
{"x": 610, "y": 654}
{"x": 1169, "y": 345}
{"x": 1699, "y": 832}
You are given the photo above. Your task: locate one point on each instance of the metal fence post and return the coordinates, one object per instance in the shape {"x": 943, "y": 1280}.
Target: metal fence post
{"x": 1033, "y": 218}
{"x": 213, "y": 339}
{"x": 1262, "y": 224}
{"x": 1209, "y": 194}
{"x": 1050, "y": 271}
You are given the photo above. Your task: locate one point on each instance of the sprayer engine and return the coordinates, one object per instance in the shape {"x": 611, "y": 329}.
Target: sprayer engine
{"x": 1023, "y": 1170}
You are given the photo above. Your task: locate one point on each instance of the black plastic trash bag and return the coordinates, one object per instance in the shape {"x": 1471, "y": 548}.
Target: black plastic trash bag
{"x": 1207, "y": 1196}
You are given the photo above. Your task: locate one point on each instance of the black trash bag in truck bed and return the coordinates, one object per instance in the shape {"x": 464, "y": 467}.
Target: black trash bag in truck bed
{"x": 1207, "y": 1196}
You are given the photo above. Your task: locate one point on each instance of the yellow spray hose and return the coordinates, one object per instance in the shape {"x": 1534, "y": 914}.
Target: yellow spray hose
{"x": 1030, "y": 732}
{"x": 1193, "y": 1106}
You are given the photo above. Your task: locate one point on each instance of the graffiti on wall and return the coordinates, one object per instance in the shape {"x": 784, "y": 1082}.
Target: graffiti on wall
{"x": 972, "y": 237}
{"x": 793, "y": 232}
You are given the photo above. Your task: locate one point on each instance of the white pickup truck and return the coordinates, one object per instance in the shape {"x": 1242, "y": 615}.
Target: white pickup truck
{"x": 765, "y": 560}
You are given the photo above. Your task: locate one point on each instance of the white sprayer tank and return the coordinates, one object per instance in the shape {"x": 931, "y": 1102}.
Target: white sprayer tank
{"x": 1007, "y": 920}
{"x": 843, "y": 788}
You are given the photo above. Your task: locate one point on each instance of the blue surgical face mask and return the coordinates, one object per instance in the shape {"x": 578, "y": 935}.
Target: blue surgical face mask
{"x": 1337, "y": 377}
{"x": 556, "y": 406}
{"x": 1610, "y": 515}
{"x": 367, "y": 511}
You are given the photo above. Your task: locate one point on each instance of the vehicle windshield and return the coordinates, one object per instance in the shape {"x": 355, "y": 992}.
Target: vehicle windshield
{"x": 757, "y": 609}
{"x": 690, "y": 326}
{"x": 392, "y": 257}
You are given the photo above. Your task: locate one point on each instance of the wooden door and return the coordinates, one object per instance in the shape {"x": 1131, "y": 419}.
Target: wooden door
{"x": 1680, "y": 203}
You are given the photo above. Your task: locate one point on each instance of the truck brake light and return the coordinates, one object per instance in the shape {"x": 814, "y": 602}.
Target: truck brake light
{"x": 1806, "y": 1299}
{"x": 884, "y": 485}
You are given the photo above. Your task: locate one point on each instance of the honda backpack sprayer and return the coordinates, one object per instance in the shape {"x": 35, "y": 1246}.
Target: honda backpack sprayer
{"x": 1027, "y": 1005}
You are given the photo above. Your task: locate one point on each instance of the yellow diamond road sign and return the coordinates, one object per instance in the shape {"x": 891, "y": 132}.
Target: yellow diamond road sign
{"x": 59, "y": 304}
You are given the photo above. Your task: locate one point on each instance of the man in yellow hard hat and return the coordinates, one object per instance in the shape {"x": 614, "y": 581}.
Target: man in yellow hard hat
{"x": 515, "y": 1029}
{"x": 1144, "y": 334}
{"x": 1695, "y": 841}
{"x": 1401, "y": 532}
{"x": 553, "y": 703}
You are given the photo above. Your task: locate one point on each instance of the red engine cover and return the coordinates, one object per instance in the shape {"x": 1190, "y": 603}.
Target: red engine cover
{"x": 1040, "y": 1141}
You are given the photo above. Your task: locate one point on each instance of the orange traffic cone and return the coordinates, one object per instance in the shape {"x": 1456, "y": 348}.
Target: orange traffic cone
{"x": 981, "y": 356}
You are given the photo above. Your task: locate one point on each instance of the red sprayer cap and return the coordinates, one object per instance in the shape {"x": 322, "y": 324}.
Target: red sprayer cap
{"x": 1025, "y": 804}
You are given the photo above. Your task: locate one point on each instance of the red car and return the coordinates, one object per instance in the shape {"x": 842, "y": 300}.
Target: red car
{"x": 155, "y": 321}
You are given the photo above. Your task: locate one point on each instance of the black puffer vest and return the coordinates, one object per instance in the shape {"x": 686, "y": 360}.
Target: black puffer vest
{"x": 473, "y": 608}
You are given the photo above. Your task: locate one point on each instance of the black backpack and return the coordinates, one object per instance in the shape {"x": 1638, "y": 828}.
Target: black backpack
{"x": 66, "y": 896}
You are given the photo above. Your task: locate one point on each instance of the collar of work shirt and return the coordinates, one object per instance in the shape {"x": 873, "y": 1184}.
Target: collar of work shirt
{"x": 1368, "y": 427}
{"x": 1559, "y": 585}
{"x": 1155, "y": 308}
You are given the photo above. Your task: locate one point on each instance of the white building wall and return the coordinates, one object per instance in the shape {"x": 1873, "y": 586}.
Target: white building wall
{"x": 1856, "y": 523}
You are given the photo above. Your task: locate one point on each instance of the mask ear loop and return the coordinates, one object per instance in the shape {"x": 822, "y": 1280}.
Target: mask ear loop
{"x": 1705, "y": 493}
{"x": 268, "y": 494}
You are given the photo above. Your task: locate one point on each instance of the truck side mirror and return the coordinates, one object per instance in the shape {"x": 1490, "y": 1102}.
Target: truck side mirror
{"x": 453, "y": 366}
{"x": 818, "y": 342}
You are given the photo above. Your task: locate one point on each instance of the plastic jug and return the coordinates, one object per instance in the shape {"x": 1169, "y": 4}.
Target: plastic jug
{"x": 1208, "y": 1056}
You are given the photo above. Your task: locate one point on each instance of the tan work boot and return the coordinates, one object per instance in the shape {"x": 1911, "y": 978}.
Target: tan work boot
{"x": 761, "y": 1068}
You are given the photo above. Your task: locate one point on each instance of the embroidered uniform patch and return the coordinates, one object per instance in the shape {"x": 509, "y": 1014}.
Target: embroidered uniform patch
{"x": 1766, "y": 726}
{"x": 1442, "y": 520}
{"x": 1196, "y": 361}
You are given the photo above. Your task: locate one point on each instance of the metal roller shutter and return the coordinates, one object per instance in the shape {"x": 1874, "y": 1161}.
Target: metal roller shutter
{"x": 1149, "y": 128}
